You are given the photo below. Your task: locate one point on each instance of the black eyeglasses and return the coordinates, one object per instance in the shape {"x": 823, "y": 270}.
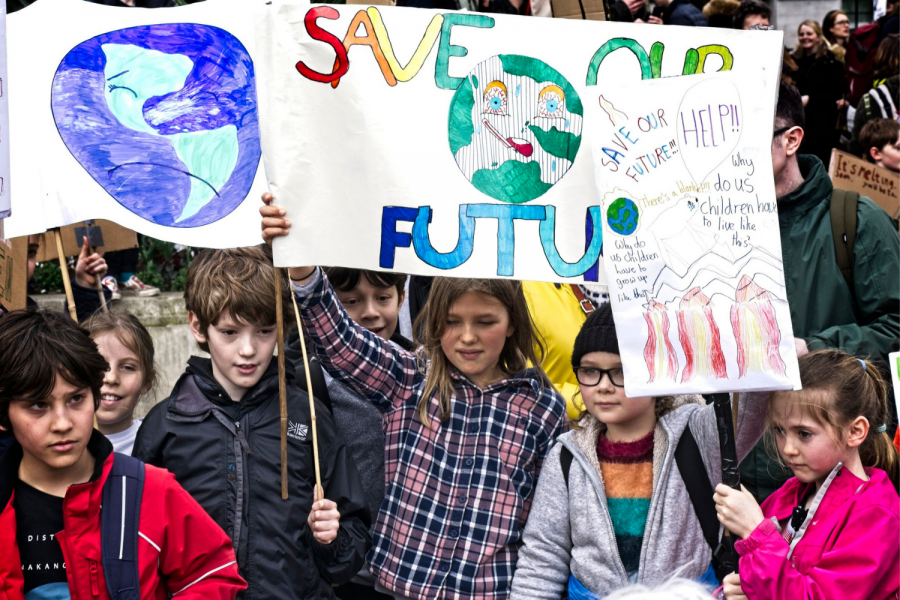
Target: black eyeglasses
{"x": 591, "y": 376}
{"x": 778, "y": 132}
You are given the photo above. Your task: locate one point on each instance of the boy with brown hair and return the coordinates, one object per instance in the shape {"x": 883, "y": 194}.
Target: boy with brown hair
{"x": 880, "y": 140}
{"x": 219, "y": 433}
{"x": 54, "y": 542}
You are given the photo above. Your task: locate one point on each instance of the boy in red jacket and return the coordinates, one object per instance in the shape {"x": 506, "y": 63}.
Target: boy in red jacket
{"x": 52, "y": 480}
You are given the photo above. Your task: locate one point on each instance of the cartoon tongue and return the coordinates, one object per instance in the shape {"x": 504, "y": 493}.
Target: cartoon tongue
{"x": 521, "y": 146}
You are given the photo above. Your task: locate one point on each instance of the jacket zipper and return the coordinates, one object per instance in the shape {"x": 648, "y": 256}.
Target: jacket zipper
{"x": 653, "y": 496}
{"x": 95, "y": 583}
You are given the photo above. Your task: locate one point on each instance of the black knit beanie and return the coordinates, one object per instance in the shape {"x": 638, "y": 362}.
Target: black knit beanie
{"x": 598, "y": 334}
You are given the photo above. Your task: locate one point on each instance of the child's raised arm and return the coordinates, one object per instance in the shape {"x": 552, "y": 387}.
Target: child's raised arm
{"x": 375, "y": 368}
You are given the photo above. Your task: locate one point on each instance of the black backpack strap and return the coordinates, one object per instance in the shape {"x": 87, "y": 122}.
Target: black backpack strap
{"x": 120, "y": 517}
{"x": 565, "y": 461}
{"x": 843, "y": 230}
{"x": 688, "y": 458}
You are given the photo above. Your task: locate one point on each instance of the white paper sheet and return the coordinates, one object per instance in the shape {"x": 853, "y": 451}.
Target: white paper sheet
{"x": 479, "y": 124}
{"x": 4, "y": 124}
{"x": 692, "y": 244}
{"x": 143, "y": 117}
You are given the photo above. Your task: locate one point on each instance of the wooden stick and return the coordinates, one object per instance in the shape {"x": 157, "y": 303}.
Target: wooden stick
{"x": 97, "y": 283}
{"x": 67, "y": 283}
{"x": 312, "y": 403}
{"x": 282, "y": 390}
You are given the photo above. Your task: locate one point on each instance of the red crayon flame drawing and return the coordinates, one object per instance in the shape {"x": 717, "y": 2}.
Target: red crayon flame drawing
{"x": 659, "y": 353}
{"x": 756, "y": 330}
{"x": 700, "y": 338}
{"x": 521, "y": 146}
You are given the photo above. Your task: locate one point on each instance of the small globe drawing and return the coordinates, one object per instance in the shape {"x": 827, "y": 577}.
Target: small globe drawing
{"x": 622, "y": 216}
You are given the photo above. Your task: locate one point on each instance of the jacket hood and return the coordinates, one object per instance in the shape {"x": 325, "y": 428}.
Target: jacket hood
{"x": 815, "y": 189}
{"x": 201, "y": 370}
{"x": 100, "y": 447}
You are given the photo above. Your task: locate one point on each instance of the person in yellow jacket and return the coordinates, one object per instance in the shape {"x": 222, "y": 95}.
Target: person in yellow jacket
{"x": 558, "y": 315}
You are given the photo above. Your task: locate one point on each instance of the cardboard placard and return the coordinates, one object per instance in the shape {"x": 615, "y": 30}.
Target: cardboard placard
{"x": 110, "y": 235}
{"x": 591, "y": 10}
{"x": 13, "y": 273}
{"x": 851, "y": 173}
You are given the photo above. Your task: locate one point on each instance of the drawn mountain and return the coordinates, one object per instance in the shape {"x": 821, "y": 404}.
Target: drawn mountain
{"x": 716, "y": 274}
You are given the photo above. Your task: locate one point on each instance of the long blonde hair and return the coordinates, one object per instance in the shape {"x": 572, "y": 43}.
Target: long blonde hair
{"x": 522, "y": 349}
{"x": 821, "y": 48}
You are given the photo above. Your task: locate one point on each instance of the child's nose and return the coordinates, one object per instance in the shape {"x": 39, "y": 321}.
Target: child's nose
{"x": 248, "y": 346}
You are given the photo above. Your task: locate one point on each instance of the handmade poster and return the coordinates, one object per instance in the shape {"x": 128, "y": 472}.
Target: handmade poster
{"x": 894, "y": 367}
{"x": 455, "y": 143}
{"x": 4, "y": 122}
{"x": 147, "y": 118}
{"x": 852, "y": 173}
{"x": 103, "y": 236}
{"x": 691, "y": 235}
{"x": 13, "y": 273}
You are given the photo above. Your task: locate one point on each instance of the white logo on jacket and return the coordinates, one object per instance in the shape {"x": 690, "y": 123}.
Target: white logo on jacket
{"x": 297, "y": 431}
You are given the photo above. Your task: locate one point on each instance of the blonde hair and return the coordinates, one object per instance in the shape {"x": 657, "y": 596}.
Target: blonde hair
{"x": 821, "y": 48}
{"x": 134, "y": 336}
{"x": 239, "y": 281}
{"x": 838, "y": 388}
{"x": 518, "y": 351}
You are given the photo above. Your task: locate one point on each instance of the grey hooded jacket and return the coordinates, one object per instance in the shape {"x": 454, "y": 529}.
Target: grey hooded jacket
{"x": 570, "y": 529}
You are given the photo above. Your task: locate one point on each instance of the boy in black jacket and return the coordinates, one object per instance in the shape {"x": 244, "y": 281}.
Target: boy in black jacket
{"x": 219, "y": 434}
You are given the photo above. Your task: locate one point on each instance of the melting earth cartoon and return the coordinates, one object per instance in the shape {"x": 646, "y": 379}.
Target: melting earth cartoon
{"x": 515, "y": 127}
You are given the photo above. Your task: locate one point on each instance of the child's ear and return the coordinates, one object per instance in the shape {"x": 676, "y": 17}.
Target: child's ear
{"x": 510, "y": 330}
{"x": 857, "y": 432}
{"x": 401, "y": 298}
{"x": 194, "y": 323}
{"x": 875, "y": 153}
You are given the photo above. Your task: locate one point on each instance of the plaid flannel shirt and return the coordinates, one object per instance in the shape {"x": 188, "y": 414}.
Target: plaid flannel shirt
{"x": 457, "y": 495}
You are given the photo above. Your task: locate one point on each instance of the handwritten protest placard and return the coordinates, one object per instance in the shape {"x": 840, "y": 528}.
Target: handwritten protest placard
{"x": 4, "y": 122}
{"x": 454, "y": 143}
{"x": 13, "y": 272}
{"x": 146, "y": 118}
{"x": 851, "y": 173}
{"x": 691, "y": 238}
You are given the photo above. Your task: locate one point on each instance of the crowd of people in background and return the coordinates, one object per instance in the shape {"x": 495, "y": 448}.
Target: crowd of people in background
{"x": 474, "y": 439}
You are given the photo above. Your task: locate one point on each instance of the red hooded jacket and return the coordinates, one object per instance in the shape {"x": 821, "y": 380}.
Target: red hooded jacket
{"x": 181, "y": 550}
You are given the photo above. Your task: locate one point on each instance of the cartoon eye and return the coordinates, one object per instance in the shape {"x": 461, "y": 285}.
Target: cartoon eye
{"x": 551, "y": 102}
{"x": 495, "y": 98}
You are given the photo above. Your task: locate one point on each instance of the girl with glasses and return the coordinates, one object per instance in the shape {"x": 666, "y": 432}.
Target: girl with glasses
{"x": 611, "y": 507}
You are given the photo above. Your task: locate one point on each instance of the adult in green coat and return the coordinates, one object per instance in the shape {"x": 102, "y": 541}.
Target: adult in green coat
{"x": 825, "y": 311}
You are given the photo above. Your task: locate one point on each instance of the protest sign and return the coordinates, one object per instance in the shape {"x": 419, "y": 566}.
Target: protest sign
{"x": 103, "y": 236}
{"x": 4, "y": 122}
{"x": 691, "y": 238}
{"x": 851, "y": 173}
{"x": 894, "y": 367}
{"x": 454, "y": 143}
{"x": 13, "y": 273}
{"x": 142, "y": 117}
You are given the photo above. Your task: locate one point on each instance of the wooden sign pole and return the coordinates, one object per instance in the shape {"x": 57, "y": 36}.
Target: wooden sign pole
{"x": 67, "y": 283}
{"x": 312, "y": 403}
{"x": 282, "y": 390}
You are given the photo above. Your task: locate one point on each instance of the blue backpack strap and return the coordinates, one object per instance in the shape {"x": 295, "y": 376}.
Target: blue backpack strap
{"x": 119, "y": 520}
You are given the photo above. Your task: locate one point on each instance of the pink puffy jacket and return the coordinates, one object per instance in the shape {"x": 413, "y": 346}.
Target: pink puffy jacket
{"x": 849, "y": 550}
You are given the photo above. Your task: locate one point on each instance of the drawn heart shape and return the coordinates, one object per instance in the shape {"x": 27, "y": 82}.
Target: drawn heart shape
{"x": 709, "y": 124}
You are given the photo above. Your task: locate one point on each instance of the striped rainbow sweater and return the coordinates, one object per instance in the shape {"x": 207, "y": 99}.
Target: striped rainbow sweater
{"x": 627, "y": 469}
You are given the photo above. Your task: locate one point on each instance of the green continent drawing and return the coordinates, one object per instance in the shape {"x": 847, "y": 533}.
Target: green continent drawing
{"x": 514, "y": 127}
{"x": 622, "y": 216}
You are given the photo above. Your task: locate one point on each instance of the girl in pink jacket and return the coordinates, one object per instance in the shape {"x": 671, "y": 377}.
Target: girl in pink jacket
{"x": 833, "y": 530}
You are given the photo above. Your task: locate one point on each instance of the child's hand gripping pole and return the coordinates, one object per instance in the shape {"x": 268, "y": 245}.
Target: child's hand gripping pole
{"x": 320, "y": 492}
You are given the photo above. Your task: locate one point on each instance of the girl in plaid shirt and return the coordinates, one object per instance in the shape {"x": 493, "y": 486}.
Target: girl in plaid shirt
{"x": 467, "y": 428}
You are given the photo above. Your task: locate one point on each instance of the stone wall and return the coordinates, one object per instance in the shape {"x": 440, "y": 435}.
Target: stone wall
{"x": 165, "y": 318}
{"x": 788, "y": 14}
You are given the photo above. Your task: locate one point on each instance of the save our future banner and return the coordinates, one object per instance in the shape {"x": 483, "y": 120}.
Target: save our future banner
{"x": 465, "y": 144}
{"x": 692, "y": 246}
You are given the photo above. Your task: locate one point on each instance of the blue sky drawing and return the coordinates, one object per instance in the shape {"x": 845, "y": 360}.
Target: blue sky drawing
{"x": 164, "y": 117}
